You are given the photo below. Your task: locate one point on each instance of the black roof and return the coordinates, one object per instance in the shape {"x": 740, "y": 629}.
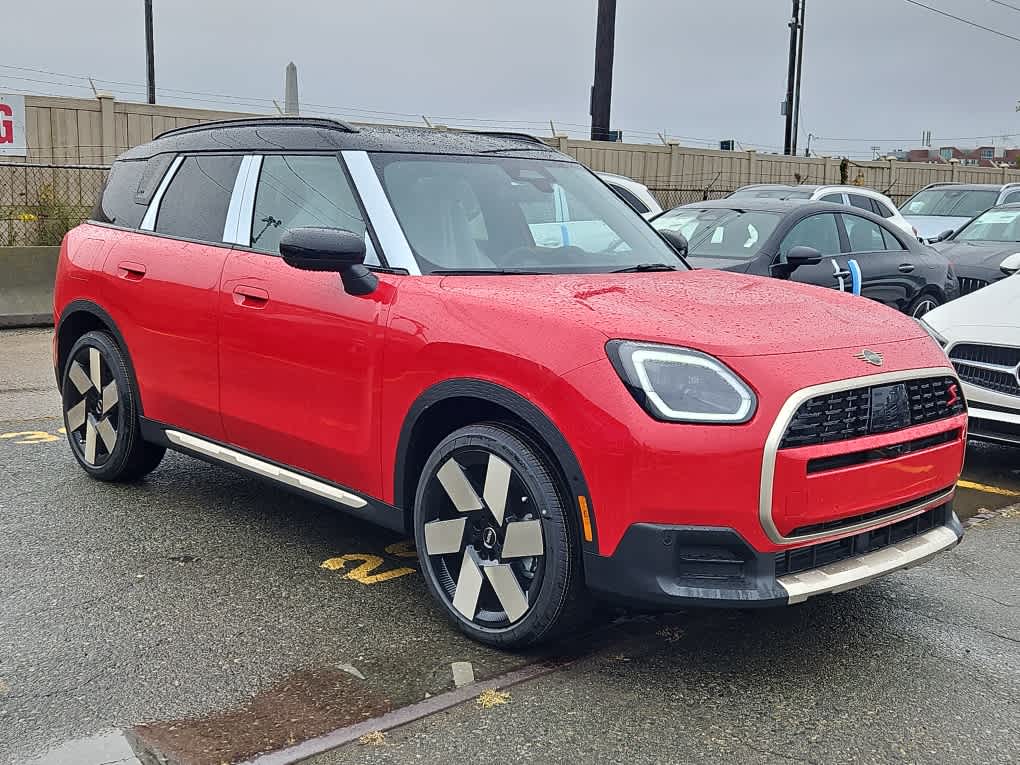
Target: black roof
{"x": 761, "y": 204}
{"x": 305, "y": 134}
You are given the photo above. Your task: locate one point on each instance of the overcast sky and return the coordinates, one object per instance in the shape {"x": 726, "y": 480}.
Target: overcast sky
{"x": 880, "y": 71}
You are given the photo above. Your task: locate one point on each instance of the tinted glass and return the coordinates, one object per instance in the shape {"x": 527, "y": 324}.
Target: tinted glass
{"x": 993, "y": 226}
{"x": 864, "y": 235}
{"x": 627, "y": 196}
{"x": 856, "y": 200}
{"x": 716, "y": 233}
{"x": 195, "y": 204}
{"x": 1011, "y": 198}
{"x": 882, "y": 209}
{"x": 818, "y": 231}
{"x": 155, "y": 169}
{"x": 501, "y": 213}
{"x": 295, "y": 191}
{"x": 836, "y": 199}
{"x": 950, "y": 202}
{"x": 892, "y": 242}
{"x": 117, "y": 202}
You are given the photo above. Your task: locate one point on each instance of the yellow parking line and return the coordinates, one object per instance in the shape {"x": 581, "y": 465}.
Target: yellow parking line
{"x": 988, "y": 489}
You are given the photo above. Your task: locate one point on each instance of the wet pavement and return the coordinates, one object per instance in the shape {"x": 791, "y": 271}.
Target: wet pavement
{"x": 191, "y": 615}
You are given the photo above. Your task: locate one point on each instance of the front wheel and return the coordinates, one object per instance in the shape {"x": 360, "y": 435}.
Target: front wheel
{"x": 496, "y": 545}
{"x": 922, "y": 304}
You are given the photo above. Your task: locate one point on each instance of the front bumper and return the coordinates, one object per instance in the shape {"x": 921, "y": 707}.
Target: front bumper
{"x": 667, "y": 567}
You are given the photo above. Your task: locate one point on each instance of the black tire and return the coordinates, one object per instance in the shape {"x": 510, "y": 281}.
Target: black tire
{"x": 100, "y": 406}
{"x": 551, "y": 581}
{"x": 923, "y": 303}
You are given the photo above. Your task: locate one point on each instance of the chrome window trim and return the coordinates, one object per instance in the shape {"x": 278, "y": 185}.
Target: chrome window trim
{"x": 775, "y": 437}
{"x": 246, "y": 204}
{"x": 380, "y": 213}
{"x": 149, "y": 219}
{"x": 231, "y": 226}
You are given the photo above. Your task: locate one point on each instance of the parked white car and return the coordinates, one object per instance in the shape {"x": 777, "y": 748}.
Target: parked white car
{"x": 633, "y": 193}
{"x": 855, "y": 196}
{"x": 941, "y": 208}
{"x": 981, "y": 335}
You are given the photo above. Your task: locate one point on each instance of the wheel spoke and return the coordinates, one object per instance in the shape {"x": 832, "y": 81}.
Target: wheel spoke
{"x": 79, "y": 377}
{"x": 508, "y": 590}
{"x": 111, "y": 395}
{"x": 95, "y": 369}
{"x": 523, "y": 540}
{"x": 90, "y": 441}
{"x": 497, "y": 485}
{"x": 76, "y": 416}
{"x": 444, "y": 537}
{"x": 107, "y": 433}
{"x": 458, "y": 488}
{"x": 469, "y": 586}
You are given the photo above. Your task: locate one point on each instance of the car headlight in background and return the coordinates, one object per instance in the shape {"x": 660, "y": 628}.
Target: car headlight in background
{"x": 681, "y": 385}
{"x": 933, "y": 334}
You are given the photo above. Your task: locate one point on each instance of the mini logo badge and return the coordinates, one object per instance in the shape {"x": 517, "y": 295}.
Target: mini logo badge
{"x": 872, "y": 357}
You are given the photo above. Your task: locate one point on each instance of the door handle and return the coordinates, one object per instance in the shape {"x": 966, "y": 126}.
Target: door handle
{"x": 841, "y": 275}
{"x": 906, "y": 268}
{"x": 250, "y": 297}
{"x": 133, "y": 272}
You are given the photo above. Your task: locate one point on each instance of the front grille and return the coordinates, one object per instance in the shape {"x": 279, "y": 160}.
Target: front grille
{"x": 998, "y": 355}
{"x": 971, "y": 285}
{"x": 814, "y": 556}
{"x": 859, "y": 412}
{"x": 874, "y": 515}
{"x": 993, "y": 367}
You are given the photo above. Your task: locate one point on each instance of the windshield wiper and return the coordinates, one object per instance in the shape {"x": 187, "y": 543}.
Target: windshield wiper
{"x": 484, "y": 271}
{"x": 642, "y": 267}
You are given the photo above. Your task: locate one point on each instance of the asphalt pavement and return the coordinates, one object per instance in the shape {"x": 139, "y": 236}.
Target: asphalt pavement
{"x": 189, "y": 618}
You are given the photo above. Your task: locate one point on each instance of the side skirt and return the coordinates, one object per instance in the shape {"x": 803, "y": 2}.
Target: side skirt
{"x": 294, "y": 480}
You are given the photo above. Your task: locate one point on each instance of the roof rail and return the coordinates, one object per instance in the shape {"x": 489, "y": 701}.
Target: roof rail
{"x": 940, "y": 183}
{"x": 260, "y": 121}
{"x": 508, "y": 134}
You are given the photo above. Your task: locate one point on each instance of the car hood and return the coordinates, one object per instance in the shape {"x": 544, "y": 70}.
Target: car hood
{"x": 996, "y": 308}
{"x": 720, "y": 313}
{"x": 930, "y": 226}
{"x": 985, "y": 254}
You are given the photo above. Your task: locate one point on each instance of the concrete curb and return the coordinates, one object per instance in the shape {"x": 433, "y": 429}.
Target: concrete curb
{"x": 26, "y": 286}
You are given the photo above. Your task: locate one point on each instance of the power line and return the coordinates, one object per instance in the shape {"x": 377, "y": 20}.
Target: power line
{"x": 1005, "y": 5}
{"x": 963, "y": 20}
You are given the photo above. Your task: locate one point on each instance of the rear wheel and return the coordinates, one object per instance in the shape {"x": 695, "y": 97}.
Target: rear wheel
{"x": 101, "y": 412}
{"x": 494, "y": 538}
{"x": 922, "y": 304}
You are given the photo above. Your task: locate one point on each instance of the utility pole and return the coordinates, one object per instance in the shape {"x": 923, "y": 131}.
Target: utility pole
{"x": 800, "y": 67}
{"x": 150, "y": 59}
{"x": 791, "y": 78}
{"x": 602, "y": 90}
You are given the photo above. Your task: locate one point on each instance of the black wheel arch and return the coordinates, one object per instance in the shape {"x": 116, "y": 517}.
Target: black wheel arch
{"x": 79, "y": 317}
{"x": 471, "y": 401}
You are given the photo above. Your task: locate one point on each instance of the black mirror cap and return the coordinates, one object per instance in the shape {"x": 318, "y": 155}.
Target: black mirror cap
{"x": 330, "y": 249}
{"x": 944, "y": 235}
{"x": 803, "y": 256}
{"x": 676, "y": 240}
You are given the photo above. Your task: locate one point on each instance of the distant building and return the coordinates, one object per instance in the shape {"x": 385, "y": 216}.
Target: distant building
{"x": 982, "y": 156}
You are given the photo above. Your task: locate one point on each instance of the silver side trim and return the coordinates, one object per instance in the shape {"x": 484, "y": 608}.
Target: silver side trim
{"x": 231, "y": 224}
{"x": 149, "y": 220}
{"x": 246, "y": 204}
{"x": 380, "y": 214}
{"x": 786, "y": 414}
{"x": 264, "y": 469}
{"x": 854, "y": 572}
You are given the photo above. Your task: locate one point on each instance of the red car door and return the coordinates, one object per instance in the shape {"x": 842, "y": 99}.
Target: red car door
{"x": 300, "y": 358}
{"x": 161, "y": 290}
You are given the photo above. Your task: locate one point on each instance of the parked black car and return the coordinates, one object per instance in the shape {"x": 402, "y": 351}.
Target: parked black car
{"x": 815, "y": 243}
{"x": 978, "y": 249}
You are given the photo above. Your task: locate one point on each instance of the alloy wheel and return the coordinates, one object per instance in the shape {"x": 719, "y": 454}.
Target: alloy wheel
{"x": 91, "y": 406}
{"x": 923, "y": 306}
{"x": 484, "y": 541}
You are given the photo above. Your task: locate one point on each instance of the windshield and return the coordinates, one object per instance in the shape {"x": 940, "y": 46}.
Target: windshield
{"x": 992, "y": 226}
{"x": 772, "y": 194}
{"x": 950, "y": 202}
{"x": 502, "y": 214}
{"x": 720, "y": 233}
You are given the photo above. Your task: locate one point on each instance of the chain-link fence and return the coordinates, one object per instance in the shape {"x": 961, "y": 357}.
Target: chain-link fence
{"x": 40, "y": 203}
{"x": 670, "y": 198}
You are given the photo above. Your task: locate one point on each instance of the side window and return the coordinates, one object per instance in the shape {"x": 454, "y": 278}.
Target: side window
{"x": 836, "y": 199}
{"x": 195, "y": 204}
{"x": 857, "y": 200}
{"x": 864, "y": 235}
{"x": 117, "y": 205}
{"x": 818, "y": 231}
{"x": 882, "y": 209}
{"x": 1011, "y": 198}
{"x": 295, "y": 191}
{"x": 892, "y": 242}
{"x": 628, "y": 196}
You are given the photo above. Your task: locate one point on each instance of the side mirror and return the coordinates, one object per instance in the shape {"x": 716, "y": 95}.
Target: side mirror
{"x": 944, "y": 235}
{"x": 676, "y": 240}
{"x": 1010, "y": 265}
{"x": 330, "y": 249}
{"x": 797, "y": 256}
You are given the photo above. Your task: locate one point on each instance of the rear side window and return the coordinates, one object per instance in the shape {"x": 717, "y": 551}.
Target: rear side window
{"x": 856, "y": 200}
{"x": 891, "y": 241}
{"x": 628, "y": 196}
{"x": 881, "y": 209}
{"x": 864, "y": 235}
{"x": 301, "y": 191}
{"x": 117, "y": 204}
{"x": 1011, "y": 198}
{"x": 836, "y": 199}
{"x": 195, "y": 204}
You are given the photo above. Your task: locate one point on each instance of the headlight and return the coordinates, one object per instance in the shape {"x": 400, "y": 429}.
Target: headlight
{"x": 681, "y": 385}
{"x": 933, "y": 334}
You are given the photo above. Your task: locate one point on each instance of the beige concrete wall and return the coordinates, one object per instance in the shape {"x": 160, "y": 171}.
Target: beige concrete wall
{"x": 26, "y": 285}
